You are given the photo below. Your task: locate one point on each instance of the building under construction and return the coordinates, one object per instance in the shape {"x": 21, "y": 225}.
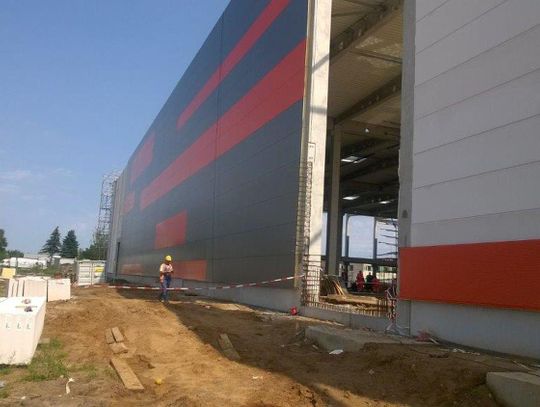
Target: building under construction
{"x": 420, "y": 114}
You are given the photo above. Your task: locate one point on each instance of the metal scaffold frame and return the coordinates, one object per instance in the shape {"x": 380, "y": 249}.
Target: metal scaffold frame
{"x": 101, "y": 234}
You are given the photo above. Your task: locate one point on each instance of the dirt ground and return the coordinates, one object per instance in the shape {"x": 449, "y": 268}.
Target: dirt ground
{"x": 177, "y": 343}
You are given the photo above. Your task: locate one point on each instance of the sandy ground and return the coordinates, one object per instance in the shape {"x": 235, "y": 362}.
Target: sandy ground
{"x": 178, "y": 344}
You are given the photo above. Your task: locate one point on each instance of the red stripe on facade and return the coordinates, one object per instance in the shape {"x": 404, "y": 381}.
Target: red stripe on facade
{"x": 171, "y": 232}
{"x": 499, "y": 274}
{"x": 129, "y": 202}
{"x": 276, "y": 92}
{"x": 190, "y": 269}
{"x": 132, "y": 269}
{"x": 252, "y": 35}
{"x": 143, "y": 158}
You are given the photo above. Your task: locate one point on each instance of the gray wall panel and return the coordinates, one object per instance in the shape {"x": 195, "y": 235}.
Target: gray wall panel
{"x": 238, "y": 204}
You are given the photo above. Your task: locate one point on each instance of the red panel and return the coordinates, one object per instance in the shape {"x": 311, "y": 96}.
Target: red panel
{"x": 500, "y": 274}
{"x": 171, "y": 232}
{"x": 276, "y": 92}
{"x": 252, "y": 35}
{"x": 190, "y": 269}
{"x": 132, "y": 269}
{"x": 129, "y": 202}
{"x": 143, "y": 158}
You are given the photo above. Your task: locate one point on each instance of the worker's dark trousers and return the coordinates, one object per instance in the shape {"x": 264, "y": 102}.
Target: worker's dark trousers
{"x": 166, "y": 283}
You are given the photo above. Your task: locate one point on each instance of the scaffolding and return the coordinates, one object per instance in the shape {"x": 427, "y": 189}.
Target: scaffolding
{"x": 101, "y": 234}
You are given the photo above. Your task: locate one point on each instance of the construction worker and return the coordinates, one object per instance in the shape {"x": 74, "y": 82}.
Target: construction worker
{"x": 165, "y": 277}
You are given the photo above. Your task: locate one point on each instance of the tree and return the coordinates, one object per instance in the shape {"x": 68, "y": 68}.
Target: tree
{"x": 97, "y": 250}
{"x": 52, "y": 245}
{"x": 3, "y": 245}
{"x": 14, "y": 253}
{"x": 70, "y": 246}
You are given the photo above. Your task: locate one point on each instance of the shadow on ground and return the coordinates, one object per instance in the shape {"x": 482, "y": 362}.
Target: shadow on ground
{"x": 399, "y": 374}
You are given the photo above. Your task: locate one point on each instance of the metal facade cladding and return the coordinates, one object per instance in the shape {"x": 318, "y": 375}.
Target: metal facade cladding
{"x": 214, "y": 182}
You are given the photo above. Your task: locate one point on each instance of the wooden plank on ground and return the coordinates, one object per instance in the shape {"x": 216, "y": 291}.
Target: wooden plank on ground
{"x": 118, "y": 348}
{"x": 227, "y": 347}
{"x": 118, "y": 337}
{"x": 109, "y": 336}
{"x": 128, "y": 377}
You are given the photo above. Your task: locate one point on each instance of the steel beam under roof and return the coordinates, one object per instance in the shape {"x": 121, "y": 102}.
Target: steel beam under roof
{"x": 363, "y": 27}
{"x": 370, "y": 130}
{"x": 376, "y": 55}
{"x": 385, "y": 92}
{"x": 375, "y": 167}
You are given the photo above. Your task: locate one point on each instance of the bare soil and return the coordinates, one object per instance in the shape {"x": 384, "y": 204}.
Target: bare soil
{"x": 178, "y": 344}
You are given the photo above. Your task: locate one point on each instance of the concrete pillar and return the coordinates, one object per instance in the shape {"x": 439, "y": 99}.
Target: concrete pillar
{"x": 314, "y": 141}
{"x": 335, "y": 218}
{"x": 406, "y": 147}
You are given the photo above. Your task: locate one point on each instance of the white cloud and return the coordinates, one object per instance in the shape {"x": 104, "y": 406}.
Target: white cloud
{"x": 16, "y": 175}
{"x": 62, "y": 172}
{"x": 9, "y": 189}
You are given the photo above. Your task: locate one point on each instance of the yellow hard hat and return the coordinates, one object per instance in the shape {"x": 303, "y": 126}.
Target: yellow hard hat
{"x": 168, "y": 258}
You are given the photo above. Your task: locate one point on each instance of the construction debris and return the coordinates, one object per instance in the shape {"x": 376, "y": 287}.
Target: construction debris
{"x": 128, "y": 377}
{"x": 118, "y": 337}
{"x": 118, "y": 348}
{"x": 227, "y": 347}
{"x": 330, "y": 285}
{"x": 109, "y": 338}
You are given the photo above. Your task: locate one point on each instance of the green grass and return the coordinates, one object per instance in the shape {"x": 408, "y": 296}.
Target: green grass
{"x": 48, "y": 363}
{"x": 5, "y": 370}
{"x": 4, "y": 394}
{"x": 90, "y": 370}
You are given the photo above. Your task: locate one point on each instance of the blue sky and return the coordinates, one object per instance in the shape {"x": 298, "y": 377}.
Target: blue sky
{"x": 80, "y": 82}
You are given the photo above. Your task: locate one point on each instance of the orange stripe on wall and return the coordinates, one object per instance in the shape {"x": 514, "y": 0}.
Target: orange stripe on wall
{"x": 143, "y": 158}
{"x": 171, "y": 232}
{"x": 190, "y": 269}
{"x": 498, "y": 274}
{"x": 133, "y": 269}
{"x": 129, "y": 202}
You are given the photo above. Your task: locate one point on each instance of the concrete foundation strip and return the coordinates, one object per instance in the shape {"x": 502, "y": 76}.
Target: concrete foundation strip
{"x": 222, "y": 287}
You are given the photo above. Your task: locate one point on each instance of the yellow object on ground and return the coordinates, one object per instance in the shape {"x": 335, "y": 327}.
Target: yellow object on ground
{"x": 8, "y": 272}
{"x": 159, "y": 381}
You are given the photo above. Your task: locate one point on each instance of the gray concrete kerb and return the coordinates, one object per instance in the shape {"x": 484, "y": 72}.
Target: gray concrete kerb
{"x": 515, "y": 389}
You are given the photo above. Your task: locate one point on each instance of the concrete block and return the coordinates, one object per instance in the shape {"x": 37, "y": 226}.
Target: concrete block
{"x": 59, "y": 289}
{"x": 515, "y": 389}
{"x": 350, "y": 340}
{"x": 20, "y": 330}
{"x": 34, "y": 287}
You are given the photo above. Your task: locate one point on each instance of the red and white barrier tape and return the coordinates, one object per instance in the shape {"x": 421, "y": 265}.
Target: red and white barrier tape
{"x": 221, "y": 287}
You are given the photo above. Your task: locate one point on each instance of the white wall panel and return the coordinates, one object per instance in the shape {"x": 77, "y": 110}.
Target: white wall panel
{"x": 494, "y": 27}
{"x": 448, "y": 18}
{"x": 511, "y": 189}
{"x": 508, "y": 146}
{"x": 500, "y": 227}
{"x": 425, "y": 7}
{"x": 508, "y": 103}
{"x": 501, "y": 64}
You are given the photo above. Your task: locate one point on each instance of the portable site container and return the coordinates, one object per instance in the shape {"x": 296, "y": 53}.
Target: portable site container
{"x": 90, "y": 272}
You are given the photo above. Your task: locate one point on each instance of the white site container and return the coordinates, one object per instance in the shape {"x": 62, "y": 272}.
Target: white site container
{"x": 59, "y": 289}
{"x": 20, "y": 330}
{"x": 90, "y": 272}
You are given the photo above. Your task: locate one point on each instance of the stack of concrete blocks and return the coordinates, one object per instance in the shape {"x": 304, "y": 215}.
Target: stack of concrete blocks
{"x": 21, "y": 325}
{"x": 52, "y": 289}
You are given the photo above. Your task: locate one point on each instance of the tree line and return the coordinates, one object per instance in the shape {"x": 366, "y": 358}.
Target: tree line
{"x": 67, "y": 247}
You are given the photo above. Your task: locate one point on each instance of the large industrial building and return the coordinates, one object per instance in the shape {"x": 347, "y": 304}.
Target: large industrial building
{"x": 418, "y": 113}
